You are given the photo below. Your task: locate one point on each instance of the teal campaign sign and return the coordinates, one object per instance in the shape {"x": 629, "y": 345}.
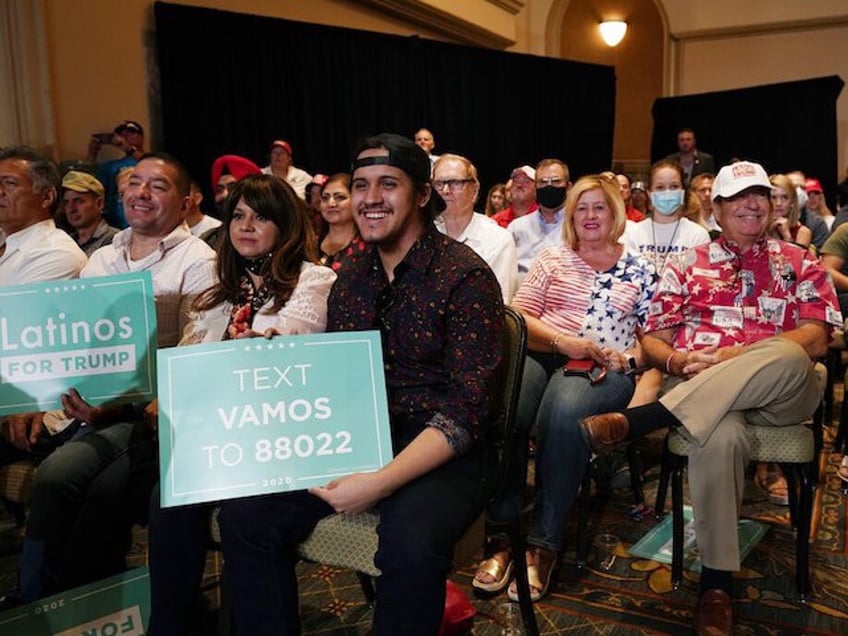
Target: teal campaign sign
{"x": 113, "y": 606}
{"x": 92, "y": 334}
{"x": 254, "y": 416}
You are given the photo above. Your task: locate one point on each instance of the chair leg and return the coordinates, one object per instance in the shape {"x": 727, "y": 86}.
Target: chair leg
{"x": 367, "y": 586}
{"x": 528, "y": 614}
{"x": 677, "y": 525}
{"x": 790, "y": 473}
{"x": 662, "y": 487}
{"x": 842, "y": 431}
{"x": 634, "y": 462}
{"x": 582, "y": 549}
{"x": 802, "y": 536}
{"x": 818, "y": 442}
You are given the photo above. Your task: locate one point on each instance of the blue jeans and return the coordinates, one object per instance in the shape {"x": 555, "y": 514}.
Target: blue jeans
{"x": 555, "y": 403}
{"x": 419, "y": 525}
{"x": 75, "y": 497}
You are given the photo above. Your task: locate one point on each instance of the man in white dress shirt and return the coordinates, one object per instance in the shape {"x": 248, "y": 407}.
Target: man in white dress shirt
{"x": 34, "y": 249}
{"x": 455, "y": 179}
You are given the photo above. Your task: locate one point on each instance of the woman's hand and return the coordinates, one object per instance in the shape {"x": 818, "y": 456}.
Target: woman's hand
{"x": 269, "y": 333}
{"x": 581, "y": 349}
{"x": 780, "y": 226}
{"x": 615, "y": 360}
{"x": 352, "y": 494}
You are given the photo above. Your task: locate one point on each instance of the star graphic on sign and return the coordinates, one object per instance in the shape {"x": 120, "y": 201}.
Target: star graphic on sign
{"x": 269, "y": 346}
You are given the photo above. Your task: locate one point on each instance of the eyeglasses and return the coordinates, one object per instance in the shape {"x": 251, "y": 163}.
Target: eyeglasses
{"x": 550, "y": 181}
{"x": 455, "y": 185}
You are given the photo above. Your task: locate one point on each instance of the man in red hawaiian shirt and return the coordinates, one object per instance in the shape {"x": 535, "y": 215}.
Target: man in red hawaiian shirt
{"x": 736, "y": 325}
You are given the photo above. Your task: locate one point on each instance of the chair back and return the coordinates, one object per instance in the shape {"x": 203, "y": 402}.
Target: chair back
{"x": 505, "y": 435}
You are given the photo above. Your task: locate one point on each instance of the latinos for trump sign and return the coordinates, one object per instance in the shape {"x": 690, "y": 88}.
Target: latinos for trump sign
{"x": 254, "y": 416}
{"x": 92, "y": 334}
{"x": 117, "y": 606}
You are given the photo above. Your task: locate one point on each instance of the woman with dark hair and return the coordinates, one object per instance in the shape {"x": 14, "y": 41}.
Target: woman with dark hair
{"x": 269, "y": 283}
{"x": 340, "y": 242}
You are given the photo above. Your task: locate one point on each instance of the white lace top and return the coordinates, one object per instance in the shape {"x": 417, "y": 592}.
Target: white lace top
{"x": 305, "y": 312}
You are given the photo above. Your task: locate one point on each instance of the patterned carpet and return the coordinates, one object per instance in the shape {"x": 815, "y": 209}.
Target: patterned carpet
{"x": 634, "y": 597}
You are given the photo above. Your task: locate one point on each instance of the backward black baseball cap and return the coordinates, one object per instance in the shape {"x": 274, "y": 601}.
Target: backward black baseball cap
{"x": 404, "y": 155}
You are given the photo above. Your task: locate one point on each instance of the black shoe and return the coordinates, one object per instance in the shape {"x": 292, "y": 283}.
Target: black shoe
{"x": 11, "y": 600}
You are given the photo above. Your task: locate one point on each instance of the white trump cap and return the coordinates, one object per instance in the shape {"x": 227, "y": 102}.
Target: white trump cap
{"x": 734, "y": 178}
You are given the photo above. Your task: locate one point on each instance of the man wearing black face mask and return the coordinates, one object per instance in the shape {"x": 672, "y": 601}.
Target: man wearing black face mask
{"x": 543, "y": 228}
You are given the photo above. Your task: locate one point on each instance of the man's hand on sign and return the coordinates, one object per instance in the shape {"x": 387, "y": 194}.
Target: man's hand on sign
{"x": 352, "y": 494}
{"x": 79, "y": 409}
{"x": 22, "y": 430}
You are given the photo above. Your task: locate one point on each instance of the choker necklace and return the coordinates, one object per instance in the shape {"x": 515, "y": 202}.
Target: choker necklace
{"x": 253, "y": 265}
{"x": 660, "y": 261}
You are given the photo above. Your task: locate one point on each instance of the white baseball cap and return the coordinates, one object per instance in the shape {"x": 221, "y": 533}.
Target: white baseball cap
{"x": 734, "y": 178}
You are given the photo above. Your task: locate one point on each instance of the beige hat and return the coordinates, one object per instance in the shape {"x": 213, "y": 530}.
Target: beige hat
{"x": 82, "y": 182}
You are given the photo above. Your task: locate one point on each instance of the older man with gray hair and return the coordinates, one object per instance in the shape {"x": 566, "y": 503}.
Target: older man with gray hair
{"x": 33, "y": 248}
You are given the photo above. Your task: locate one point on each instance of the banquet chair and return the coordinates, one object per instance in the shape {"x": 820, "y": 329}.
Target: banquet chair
{"x": 15, "y": 488}
{"x": 792, "y": 447}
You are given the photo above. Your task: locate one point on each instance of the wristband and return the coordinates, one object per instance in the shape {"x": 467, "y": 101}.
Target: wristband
{"x": 668, "y": 363}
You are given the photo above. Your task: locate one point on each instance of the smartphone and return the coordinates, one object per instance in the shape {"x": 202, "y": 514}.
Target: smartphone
{"x": 104, "y": 138}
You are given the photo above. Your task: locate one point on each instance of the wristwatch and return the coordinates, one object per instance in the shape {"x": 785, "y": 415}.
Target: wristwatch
{"x": 630, "y": 365}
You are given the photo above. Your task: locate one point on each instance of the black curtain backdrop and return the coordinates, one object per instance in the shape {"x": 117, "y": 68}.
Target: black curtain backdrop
{"x": 787, "y": 126}
{"x": 232, "y": 83}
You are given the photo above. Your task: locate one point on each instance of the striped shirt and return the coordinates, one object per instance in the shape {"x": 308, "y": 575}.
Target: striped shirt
{"x": 565, "y": 293}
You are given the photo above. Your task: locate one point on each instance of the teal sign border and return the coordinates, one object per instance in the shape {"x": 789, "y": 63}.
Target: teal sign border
{"x": 225, "y": 407}
{"x": 30, "y": 308}
{"x": 122, "y": 600}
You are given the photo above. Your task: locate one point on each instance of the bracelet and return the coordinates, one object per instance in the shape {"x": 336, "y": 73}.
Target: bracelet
{"x": 668, "y": 363}
{"x": 555, "y": 342}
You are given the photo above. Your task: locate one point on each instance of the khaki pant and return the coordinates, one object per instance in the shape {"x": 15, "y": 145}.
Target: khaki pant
{"x": 773, "y": 383}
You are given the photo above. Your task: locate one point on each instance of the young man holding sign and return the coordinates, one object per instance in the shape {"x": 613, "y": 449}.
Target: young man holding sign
{"x": 439, "y": 310}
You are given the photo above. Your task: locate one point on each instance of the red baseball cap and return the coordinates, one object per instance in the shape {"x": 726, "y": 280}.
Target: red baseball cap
{"x": 813, "y": 185}
{"x": 281, "y": 144}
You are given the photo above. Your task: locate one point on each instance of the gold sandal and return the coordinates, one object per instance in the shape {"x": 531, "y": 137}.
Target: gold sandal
{"x": 499, "y": 567}
{"x": 541, "y": 564}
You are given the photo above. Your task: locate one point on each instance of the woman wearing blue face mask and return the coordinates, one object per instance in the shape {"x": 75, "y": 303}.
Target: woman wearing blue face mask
{"x": 667, "y": 231}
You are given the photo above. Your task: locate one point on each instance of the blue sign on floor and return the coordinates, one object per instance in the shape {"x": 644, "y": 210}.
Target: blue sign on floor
{"x": 117, "y": 605}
